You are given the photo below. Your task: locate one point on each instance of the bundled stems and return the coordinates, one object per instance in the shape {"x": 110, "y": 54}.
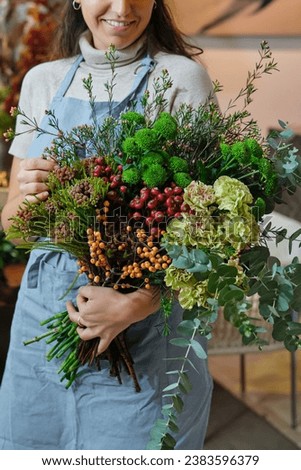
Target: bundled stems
{"x": 63, "y": 333}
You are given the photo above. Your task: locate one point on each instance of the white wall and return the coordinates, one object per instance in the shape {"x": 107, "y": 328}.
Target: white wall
{"x": 229, "y": 59}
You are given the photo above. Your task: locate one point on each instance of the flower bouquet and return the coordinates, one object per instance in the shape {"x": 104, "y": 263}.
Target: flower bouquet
{"x": 173, "y": 201}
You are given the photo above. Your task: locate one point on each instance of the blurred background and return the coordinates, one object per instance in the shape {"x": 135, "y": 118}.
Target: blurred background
{"x": 256, "y": 402}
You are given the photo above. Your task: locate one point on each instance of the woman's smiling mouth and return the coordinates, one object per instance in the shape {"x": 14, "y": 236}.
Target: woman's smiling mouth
{"x": 118, "y": 24}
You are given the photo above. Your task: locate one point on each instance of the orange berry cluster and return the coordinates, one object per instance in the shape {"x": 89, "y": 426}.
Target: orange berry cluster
{"x": 150, "y": 259}
{"x": 101, "y": 214}
{"x": 98, "y": 256}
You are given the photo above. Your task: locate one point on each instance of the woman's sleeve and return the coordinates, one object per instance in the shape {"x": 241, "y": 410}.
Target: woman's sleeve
{"x": 26, "y": 104}
{"x": 191, "y": 83}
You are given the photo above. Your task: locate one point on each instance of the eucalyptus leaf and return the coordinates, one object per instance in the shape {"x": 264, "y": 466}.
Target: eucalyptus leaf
{"x": 234, "y": 293}
{"x": 198, "y": 349}
{"x": 294, "y": 328}
{"x": 292, "y": 238}
{"x": 181, "y": 342}
{"x": 185, "y": 382}
{"x": 279, "y": 330}
{"x": 290, "y": 344}
{"x": 170, "y": 387}
{"x": 186, "y": 328}
{"x": 178, "y": 403}
{"x": 172, "y": 426}
{"x": 168, "y": 442}
{"x": 296, "y": 303}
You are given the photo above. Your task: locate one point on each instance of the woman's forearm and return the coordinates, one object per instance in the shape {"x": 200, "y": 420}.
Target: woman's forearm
{"x": 144, "y": 303}
{"x": 10, "y": 209}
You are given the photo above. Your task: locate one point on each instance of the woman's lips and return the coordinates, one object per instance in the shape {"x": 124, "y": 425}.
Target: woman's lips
{"x": 118, "y": 24}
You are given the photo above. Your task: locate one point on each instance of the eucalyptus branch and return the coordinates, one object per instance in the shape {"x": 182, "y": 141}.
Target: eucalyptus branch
{"x": 161, "y": 437}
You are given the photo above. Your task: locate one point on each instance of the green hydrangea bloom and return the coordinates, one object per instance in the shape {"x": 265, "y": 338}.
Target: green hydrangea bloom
{"x": 199, "y": 231}
{"x": 197, "y": 294}
{"x": 198, "y": 195}
{"x": 146, "y": 139}
{"x": 154, "y": 175}
{"x": 166, "y": 126}
{"x": 131, "y": 176}
{"x": 182, "y": 179}
{"x": 241, "y": 231}
{"x": 242, "y": 279}
{"x": 232, "y": 195}
{"x": 177, "y": 278}
{"x": 178, "y": 165}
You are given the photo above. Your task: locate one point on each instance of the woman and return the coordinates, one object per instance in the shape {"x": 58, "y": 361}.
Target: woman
{"x": 36, "y": 410}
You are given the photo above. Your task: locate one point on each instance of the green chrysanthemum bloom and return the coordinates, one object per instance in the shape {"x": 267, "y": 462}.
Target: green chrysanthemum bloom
{"x": 254, "y": 148}
{"x": 232, "y": 195}
{"x": 154, "y": 175}
{"x": 133, "y": 117}
{"x": 265, "y": 168}
{"x": 177, "y": 278}
{"x": 152, "y": 158}
{"x": 255, "y": 161}
{"x": 272, "y": 186}
{"x": 130, "y": 147}
{"x": 225, "y": 150}
{"x": 178, "y": 165}
{"x": 240, "y": 152}
{"x": 166, "y": 126}
{"x": 198, "y": 195}
{"x": 146, "y": 139}
{"x": 131, "y": 176}
{"x": 182, "y": 179}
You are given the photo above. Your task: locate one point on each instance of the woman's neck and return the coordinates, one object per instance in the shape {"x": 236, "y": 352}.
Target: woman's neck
{"x": 98, "y": 58}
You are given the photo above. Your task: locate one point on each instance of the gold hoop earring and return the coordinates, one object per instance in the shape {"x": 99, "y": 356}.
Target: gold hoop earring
{"x": 76, "y": 5}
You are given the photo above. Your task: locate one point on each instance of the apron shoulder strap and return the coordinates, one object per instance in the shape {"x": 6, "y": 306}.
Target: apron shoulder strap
{"x": 68, "y": 78}
{"x": 145, "y": 67}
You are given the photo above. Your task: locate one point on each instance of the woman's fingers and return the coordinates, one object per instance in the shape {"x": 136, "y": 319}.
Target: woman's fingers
{"x": 32, "y": 188}
{"x": 37, "y": 164}
{"x": 33, "y": 174}
{"x": 72, "y": 311}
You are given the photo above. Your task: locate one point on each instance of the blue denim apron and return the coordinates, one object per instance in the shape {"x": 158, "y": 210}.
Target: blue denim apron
{"x": 36, "y": 410}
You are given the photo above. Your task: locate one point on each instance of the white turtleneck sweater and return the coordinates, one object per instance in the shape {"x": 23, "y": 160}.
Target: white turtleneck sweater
{"x": 191, "y": 83}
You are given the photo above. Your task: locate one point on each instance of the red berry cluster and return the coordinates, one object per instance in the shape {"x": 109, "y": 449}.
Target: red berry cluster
{"x": 109, "y": 175}
{"x": 156, "y": 205}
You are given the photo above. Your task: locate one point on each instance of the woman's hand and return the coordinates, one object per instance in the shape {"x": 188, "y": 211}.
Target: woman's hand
{"x": 27, "y": 182}
{"x": 32, "y": 175}
{"x": 104, "y": 312}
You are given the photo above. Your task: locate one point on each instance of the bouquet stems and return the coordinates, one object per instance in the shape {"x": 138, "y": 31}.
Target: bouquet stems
{"x": 63, "y": 333}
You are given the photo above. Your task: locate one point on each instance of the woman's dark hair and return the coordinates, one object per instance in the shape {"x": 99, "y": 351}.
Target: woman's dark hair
{"x": 165, "y": 34}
